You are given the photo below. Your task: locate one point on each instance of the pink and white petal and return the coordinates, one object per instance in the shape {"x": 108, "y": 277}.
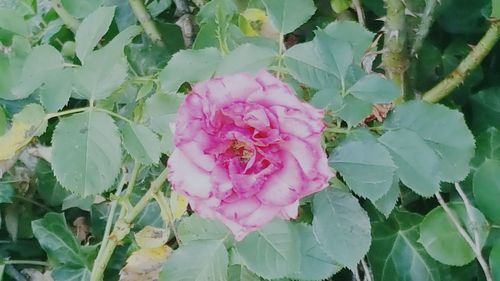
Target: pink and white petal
{"x": 305, "y": 153}
{"x": 283, "y": 187}
{"x": 187, "y": 178}
{"x": 205, "y": 207}
{"x": 238, "y": 209}
{"x": 290, "y": 212}
{"x": 266, "y": 79}
{"x": 263, "y": 215}
{"x": 194, "y": 150}
{"x": 240, "y": 86}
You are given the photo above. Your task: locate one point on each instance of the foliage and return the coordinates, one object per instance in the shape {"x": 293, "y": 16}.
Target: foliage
{"x": 89, "y": 92}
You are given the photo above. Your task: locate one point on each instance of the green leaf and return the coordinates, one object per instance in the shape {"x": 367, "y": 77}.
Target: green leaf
{"x": 13, "y": 21}
{"x": 51, "y": 192}
{"x": 197, "y": 261}
{"x": 416, "y": 161}
{"x": 70, "y": 273}
{"x": 241, "y": 273}
{"x": 354, "y": 33}
{"x": 338, "y": 214}
{"x": 91, "y": 30}
{"x": 443, "y": 129}
{"x": 395, "y": 254}
{"x": 42, "y": 61}
{"x": 494, "y": 262}
{"x": 246, "y": 58}
{"x": 3, "y": 121}
{"x": 194, "y": 228}
{"x": 105, "y": 69}
{"x": 81, "y": 9}
{"x": 56, "y": 91}
{"x": 486, "y": 187}
{"x": 487, "y": 146}
{"x": 272, "y": 252}
{"x": 160, "y": 111}
{"x": 141, "y": 143}
{"x": 366, "y": 166}
{"x": 337, "y": 55}
{"x": 307, "y": 67}
{"x": 374, "y": 88}
{"x": 441, "y": 239}
{"x": 486, "y": 108}
{"x": 86, "y": 152}
{"x": 189, "y": 66}
{"x": 388, "y": 201}
{"x": 351, "y": 109}
{"x": 315, "y": 264}
{"x": 76, "y": 201}
{"x": 57, "y": 239}
{"x": 288, "y": 15}
{"x": 6, "y": 192}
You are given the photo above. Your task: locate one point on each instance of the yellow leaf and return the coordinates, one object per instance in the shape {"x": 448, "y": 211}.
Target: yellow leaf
{"x": 28, "y": 123}
{"x": 151, "y": 237}
{"x": 178, "y": 203}
{"x": 145, "y": 264}
{"x": 254, "y": 22}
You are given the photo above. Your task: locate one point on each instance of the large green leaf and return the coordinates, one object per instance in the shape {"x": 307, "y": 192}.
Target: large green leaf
{"x": 241, "y": 273}
{"x": 388, "y": 201}
{"x": 86, "y": 152}
{"x": 395, "y": 254}
{"x": 374, "y": 89}
{"x": 494, "y": 262}
{"x": 141, "y": 143}
{"x": 341, "y": 226}
{"x": 307, "y": 67}
{"x": 366, "y": 166}
{"x": 205, "y": 260}
{"x": 189, "y": 66}
{"x": 486, "y": 108}
{"x": 81, "y": 9}
{"x": 56, "y": 91}
{"x": 195, "y": 228}
{"x": 246, "y": 58}
{"x": 160, "y": 111}
{"x": 272, "y": 252}
{"x": 443, "y": 129}
{"x": 51, "y": 192}
{"x": 487, "y": 146}
{"x": 288, "y": 15}
{"x": 42, "y": 61}
{"x": 486, "y": 184}
{"x": 441, "y": 239}
{"x": 416, "y": 161}
{"x": 337, "y": 55}
{"x": 91, "y": 30}
{"x": 354, "y": 33}
{"x": 57, "y": 240}
{"x": 70, "y": 273}
{"x": 315, "y": 264}
{"x": 13, "y": 21}
{"x": 105, "y": 69}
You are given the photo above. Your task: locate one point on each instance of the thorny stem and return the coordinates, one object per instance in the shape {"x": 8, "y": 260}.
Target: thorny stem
{"x": 147, "y": 23}
{"x": 424, "y": 26}
{"x": 66, "y": 17}
{"x": 123, "y": 225}
{"x": 475, "y": 57}
{"x": 394, "y": 58}
{"x": 466, "y": 236}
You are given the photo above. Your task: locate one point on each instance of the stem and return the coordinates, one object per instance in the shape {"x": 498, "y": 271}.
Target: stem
{"x": 167, "y": 211}
{"x": 470, "y": 214}
{"x": 281, "y": 48}
{"x": 472, "y": 60}
{"x": 113, "y": 114}
{"x": 33, "y": 202}
{"x": 394, "y": 58}
{"x": 65, "y": 112}
{"x": 122, "y": 227}
{"x": 424, "y": 26}
{"x": 68, "y": 19}
{"x": 359, "y": 11}
{"x": 465, "y": 235}
{"x": 147, "y": 23}
{"x": 111, "y": 214}
{"x": 338, "y": 130}
{"x": 26, "y": 262}
{"x": 368, "y": 272}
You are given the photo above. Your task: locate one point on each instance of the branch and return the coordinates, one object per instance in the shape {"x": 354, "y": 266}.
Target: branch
{"x": 472, "y": 60}
{"x": 147, "y": 23}
{"x": 466, "y": 236}
{"x": 359, "y": 11}
{"x": 123, "y": 225}
{"x": 68, "y": 19}
{"x": 424, "y": 26}
{"x": 395, "y": 59}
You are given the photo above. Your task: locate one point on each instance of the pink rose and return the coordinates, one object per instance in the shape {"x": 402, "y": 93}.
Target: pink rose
{"x": 247, "y": 149}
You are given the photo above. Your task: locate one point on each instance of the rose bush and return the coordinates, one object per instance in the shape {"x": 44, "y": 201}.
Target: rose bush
{"x": 247, "y": 149}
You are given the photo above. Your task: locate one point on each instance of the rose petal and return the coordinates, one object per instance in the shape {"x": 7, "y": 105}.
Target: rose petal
{"x": 186, "y": 177}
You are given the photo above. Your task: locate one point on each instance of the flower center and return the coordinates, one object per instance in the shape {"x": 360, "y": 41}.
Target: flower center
{"x": 242, "y": 150}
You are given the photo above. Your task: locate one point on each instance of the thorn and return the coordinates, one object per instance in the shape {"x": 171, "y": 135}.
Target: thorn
{"x": 394, "y": 34}
{"x": 409, "y": 13}
{"x": 382, "y": 19}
